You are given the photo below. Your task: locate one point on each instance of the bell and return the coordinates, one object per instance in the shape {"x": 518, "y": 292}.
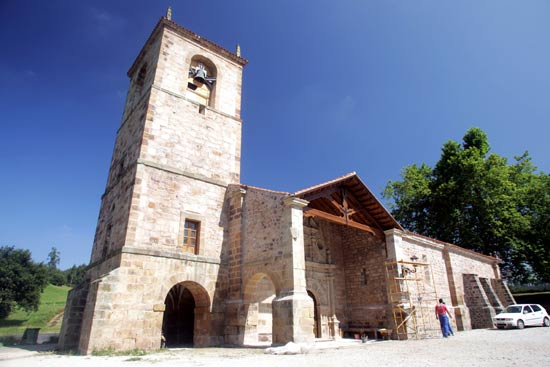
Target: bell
{"x": 200, "y": 76}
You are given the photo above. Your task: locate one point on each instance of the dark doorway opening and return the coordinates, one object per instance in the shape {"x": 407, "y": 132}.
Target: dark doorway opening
{"x": 316, "y": 320}
{"x": 178, "y": 325}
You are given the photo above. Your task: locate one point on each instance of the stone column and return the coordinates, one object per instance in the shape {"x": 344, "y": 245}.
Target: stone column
{"x": 496, "y": 270}
{"x": 235, "y": 310}
{"x": 333, "y": 322}
{"x": 394, "y": 252}
{"x": 460, "y": 311}
{"x": 394, "y": 238}
{"x": 293, "y": 309}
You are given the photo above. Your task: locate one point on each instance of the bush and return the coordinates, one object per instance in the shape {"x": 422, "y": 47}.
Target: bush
{"x": 529, "y": 288}
{"x": 21, "y": 280}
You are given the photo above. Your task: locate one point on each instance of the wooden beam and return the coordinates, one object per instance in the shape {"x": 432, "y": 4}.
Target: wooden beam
{"x": 337, "y": 206}
{"x": 322, "y": 194}
{"x": 308, "y": 212}
{"x": 366, "y": 212}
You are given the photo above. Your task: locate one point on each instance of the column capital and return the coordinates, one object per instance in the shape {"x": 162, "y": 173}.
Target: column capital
{"x": 295, "y": 202}
{"x": 393, "y": 231}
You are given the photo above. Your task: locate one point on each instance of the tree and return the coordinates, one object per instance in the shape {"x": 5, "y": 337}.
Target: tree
{"x": 478, "y": 201}
{"x": 53, "y": 258}
{"x": 21, "y": 281}
{"x": 55, "y": 276}
{"x": 75, "y": 274}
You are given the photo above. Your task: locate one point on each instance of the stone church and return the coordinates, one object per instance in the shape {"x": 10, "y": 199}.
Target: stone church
{"x": 185, "y": 254}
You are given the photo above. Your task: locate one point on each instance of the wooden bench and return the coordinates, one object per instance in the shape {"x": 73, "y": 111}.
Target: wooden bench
{"x": 376, "y": 333}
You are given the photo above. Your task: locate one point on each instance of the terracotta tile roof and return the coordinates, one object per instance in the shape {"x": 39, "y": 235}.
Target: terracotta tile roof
{"x": 331, "y": 182}
{"x": 452, "y": 245}
{"x": 262, "y": 189}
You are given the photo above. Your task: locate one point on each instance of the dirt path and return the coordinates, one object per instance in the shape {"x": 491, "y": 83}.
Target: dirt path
{"x": 528, "y": 347}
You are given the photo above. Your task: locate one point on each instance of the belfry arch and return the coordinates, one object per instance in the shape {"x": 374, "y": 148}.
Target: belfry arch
{"x": 201, "y": 85}
{"x": 186, "y": 304}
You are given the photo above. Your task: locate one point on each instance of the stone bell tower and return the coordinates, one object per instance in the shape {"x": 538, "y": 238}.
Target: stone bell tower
{"x": 158, "y": 244}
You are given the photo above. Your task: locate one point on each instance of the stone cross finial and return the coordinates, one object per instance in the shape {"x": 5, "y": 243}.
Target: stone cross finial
{"x": 238, "y": 50}
{"x": 169, "y": 13}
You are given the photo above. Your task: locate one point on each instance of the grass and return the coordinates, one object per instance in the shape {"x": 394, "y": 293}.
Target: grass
{"x": 52, "y": 303}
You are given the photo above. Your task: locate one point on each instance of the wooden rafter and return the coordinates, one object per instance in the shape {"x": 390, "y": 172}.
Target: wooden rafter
{"x": 322, "y": 194}
{"x": 365, "y": 212}
{"x": 310, "y": 212}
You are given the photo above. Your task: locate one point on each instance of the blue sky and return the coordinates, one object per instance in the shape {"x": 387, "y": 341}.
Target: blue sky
{"x": 331, "y": 87}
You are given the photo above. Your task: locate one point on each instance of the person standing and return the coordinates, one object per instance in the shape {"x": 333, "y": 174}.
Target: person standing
{"x": 444, "y": 316}
{"x": 450, "y": 310}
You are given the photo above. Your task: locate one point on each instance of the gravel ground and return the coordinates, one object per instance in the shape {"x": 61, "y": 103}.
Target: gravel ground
{"x": 528, "y": 347}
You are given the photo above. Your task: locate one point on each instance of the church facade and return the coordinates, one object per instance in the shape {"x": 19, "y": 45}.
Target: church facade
{"x": 185, "y": 254}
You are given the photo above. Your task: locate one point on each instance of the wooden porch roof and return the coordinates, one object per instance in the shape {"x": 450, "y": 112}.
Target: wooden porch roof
{"x": 347, "y": 200}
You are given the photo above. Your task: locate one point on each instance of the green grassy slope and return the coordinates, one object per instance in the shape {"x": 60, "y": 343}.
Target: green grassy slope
{"x": 52, "y": 303}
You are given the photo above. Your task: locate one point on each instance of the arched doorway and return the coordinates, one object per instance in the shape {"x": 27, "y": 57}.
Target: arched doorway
{"x": 259, "y": 295}
{"x": 316, "y": 318}
{"x": 184, "y": 302}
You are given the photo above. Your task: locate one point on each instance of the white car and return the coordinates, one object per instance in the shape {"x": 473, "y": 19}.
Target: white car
{"x": 522, "y": 315}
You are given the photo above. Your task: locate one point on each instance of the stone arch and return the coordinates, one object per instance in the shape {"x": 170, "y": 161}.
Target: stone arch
{"x": 316, "y": 316}
{"x": 202, "y": 93}
{"x": 259, "y": 292}
{"x": 186, "y": 315}
{"x": 322, "y": 315}
{"x": 319, "y": 290}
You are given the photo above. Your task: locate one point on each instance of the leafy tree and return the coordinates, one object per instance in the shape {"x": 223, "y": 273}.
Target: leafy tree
{"x": 475, "y": 199}
{"x": 54, "y": 257}
{"x": 55, "y": 276}
{"x": 21, "y": 280}
{"x": 75, "y": 274}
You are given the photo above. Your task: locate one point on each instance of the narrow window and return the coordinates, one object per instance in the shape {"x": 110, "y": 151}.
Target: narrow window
{"x": 191, "y": 236}
{"x": 141, "y": 77}
{"x": 364, "y": 277}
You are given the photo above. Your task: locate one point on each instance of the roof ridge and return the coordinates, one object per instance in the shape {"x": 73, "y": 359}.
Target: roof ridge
{"x": 341, "y": 178}
{"x": 244, "y": 186}
{"x": 453, "y": 245}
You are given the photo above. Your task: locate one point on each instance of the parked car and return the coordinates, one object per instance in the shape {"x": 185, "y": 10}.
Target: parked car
{"x": 522, "y": 315}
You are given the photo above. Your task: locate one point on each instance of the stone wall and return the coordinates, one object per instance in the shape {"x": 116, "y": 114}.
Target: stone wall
{"x": 365, "y": 278}
{"x": 456, "y": 276}
{"x": 127, "y": 305}
{"x": 479, "y": 304}
{"x": 69, "y": 335}
{"x": 503, "y": 292}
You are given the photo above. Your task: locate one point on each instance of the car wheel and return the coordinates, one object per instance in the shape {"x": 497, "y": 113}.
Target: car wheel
{"x": 521, "y": 324}
{"x": 546, "y": 322}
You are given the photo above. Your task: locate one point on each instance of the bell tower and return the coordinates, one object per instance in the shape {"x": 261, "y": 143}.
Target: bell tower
{"x": 160, "y": 228}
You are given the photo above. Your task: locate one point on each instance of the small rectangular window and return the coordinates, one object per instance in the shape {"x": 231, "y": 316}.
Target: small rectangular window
{"x": 191, "y": 236}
